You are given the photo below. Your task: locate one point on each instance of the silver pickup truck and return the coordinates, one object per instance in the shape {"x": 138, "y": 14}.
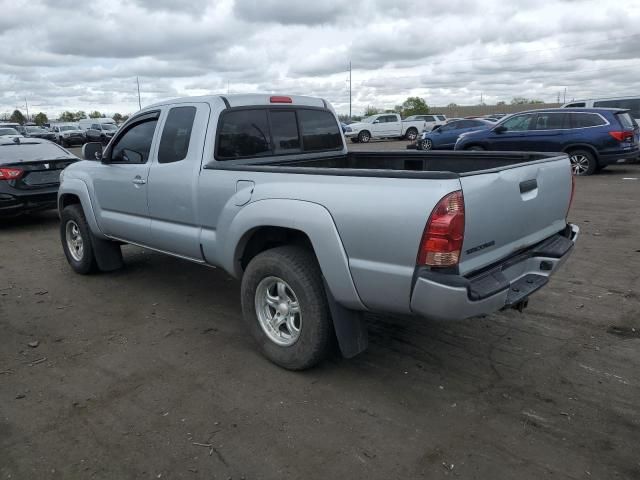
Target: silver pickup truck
{"x": 263, "y": 186}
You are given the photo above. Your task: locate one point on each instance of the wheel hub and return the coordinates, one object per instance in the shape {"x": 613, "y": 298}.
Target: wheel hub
{"x": 278, "y": 311}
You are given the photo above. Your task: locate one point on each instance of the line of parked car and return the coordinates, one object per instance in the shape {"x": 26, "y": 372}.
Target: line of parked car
{"x": 66, "y": 134}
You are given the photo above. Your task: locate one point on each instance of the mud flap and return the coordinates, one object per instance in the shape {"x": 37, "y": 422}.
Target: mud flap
{"x": 108, "y": 254}
{"x": 350, "y": 327}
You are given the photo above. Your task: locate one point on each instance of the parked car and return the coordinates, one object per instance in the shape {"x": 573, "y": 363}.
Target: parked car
{"x": 32, "y": 131}
{"x": 69, "y": 134}
{"x": 431, "y": 121}
{"x": 30, "y": 174}
{"x": 444, "y": 137}
{"x": 629, "y": 103}
{"x": 265, "y": 188}
{"x": 85, "y": 123}
{"x": 8, "y": 133}
{"x": 100, "y": 132}
{"x": 592, "y": 137}
{"x": 385, "y": 125}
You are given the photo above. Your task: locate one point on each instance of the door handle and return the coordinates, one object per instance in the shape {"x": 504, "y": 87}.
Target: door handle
{"x": 139, "y": 181}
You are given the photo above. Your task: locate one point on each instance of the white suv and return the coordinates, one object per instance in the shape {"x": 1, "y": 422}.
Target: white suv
{"x": 431, "y": 121}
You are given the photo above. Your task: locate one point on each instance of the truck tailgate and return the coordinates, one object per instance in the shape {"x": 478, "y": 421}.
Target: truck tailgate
{"x": 511, "y": 209}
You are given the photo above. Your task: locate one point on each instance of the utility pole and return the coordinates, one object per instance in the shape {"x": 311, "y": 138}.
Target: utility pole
{"x": 26, "y": 106}
{"x": 228, "y": 87}
{"x": 349, "y": 90}
{"x": 565, "y": 95}
{"x": 139, "y": 102}
{"x": 481, "y": 98}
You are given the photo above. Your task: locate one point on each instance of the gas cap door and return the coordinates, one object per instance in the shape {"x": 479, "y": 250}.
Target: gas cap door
{"x": 244, "y": 190}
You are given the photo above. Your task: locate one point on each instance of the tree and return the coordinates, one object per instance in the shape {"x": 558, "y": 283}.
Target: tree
{"x": 41, "y": 118}
{"x": 117, "y": 118}
{"x": 79, "y": 115}
{"x": 414, "y": 106}
{"x": 125, "y": 118}
{"x": 452, "y": 105}
{"x": 371, "y": 111}
{"x": 17, "y": 117}
{"x": 524, "y": 101}
{"x": 501, "y": 102}
{"x": 343, "y": 117}
{"x": 96, "y": 114}
{"x": 67, "y": 116}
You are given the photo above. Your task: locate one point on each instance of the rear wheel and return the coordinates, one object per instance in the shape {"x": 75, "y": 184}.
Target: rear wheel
{"x": 76, "y": 240}
{"x": 285, "y": 307}
{"x": 426, "y": 144}
{"x": 364, "y": 137}
{"x": 412, "y": 134}
{"x": 583, "y": 162}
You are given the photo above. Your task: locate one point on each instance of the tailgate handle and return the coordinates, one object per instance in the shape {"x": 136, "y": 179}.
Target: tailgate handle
{"x": 528, "y": 185}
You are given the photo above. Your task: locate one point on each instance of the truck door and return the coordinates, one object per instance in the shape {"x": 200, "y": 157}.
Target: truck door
{"x": 120, "y": 182}
{"x": 393, "y": 126}
{"x": 173, "y": 180}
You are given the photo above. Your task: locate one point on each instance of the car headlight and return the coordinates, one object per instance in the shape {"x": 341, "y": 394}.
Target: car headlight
{"x": 347, "y": 129}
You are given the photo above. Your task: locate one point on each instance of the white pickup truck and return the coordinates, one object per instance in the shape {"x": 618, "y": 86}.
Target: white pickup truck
{"x": 384, "y": 125}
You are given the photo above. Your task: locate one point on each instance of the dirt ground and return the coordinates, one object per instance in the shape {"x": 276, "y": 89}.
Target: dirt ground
{"x": 149, "y": 373}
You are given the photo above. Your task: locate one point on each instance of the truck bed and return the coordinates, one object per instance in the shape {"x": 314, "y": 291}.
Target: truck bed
{"x": 410, "y": 164}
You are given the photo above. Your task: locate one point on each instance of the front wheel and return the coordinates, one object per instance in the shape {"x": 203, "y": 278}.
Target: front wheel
{"x": 364, "y": 137}
{"x": 582, "y": 162}
{"x": 285, "y": 307}
{"x": 426, "y": 144}
{"x": 76, "y": 240}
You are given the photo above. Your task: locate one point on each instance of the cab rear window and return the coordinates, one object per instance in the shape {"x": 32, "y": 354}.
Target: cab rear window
{"x": 259, "y": 132}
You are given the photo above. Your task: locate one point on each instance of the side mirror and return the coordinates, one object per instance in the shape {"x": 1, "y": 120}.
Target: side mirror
{"x": 376, "y": 121}
{"x": 500, "y": 129}
{"x": 92, "y": 151}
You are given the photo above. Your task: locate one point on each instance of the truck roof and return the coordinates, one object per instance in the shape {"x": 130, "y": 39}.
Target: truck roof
{"x": 247, "y": 99}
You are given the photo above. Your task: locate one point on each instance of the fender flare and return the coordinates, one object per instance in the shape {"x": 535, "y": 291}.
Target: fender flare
{"x": 77, "y": 188}
{"x": 313, "y": 220}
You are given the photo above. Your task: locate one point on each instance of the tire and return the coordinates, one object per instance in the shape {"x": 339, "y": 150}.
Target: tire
{"x": 412, "y": 134}
{"x": 364, "y": 137}
{"x": 475, "y": 148}
{"x": 426, "y": 144}
{"x": 298, "y": 269}
{"x": 73, "y": 222}
{"x": 354, "y": 140}
{"x": 583, "y": 162}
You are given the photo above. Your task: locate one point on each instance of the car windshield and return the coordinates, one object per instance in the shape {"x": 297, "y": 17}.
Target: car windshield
{"x": 35, "y": 130}
{"x": 8, "y": 131}
{"x": 29, "y": 152}
{"x": 369, "y": 119}
{"x": 67, "y": 127}
{"x": 109, "y": 126}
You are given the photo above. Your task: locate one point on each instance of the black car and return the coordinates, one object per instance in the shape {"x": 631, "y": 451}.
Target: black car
{"x": 36, "y": 132}
{"x": 30, "y": 174}
{"x": 101, "y": 132}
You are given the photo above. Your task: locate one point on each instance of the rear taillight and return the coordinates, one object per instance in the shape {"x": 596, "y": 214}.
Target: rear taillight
{"x": 623, "y": 135}
{"x": 443, "y": 235}
{"x": 10, "y": 173}
{"x": 280, "y": 99}
{"x": 573, "y": 190}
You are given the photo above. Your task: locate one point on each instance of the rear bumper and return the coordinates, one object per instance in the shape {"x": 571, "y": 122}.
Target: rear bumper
{"x": 609, "y": 158}
{"x": 13, "y": 205}
{"x": 509, "y": 283}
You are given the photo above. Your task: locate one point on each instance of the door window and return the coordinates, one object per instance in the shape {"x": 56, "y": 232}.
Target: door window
{"x": 135, "y": 144}
{"x": 549, "y": 121}
{"x": 174, "y": 143}
{"x": 584, "y": 120}
{"x": 244, "y": 133}
{"x": 579, "y": 104}
{"x": 518, "y": 123}
{"x": 429, "y": 118}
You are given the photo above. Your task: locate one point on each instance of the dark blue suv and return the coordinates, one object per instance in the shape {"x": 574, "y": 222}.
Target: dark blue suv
{"x": 592, "y": 137}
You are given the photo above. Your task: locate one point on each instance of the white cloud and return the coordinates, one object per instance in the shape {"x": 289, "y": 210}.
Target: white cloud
{"x": 63, "y": 56}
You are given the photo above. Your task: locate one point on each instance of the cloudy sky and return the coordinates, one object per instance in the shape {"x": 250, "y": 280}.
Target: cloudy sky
{"x": 85, "y": 55}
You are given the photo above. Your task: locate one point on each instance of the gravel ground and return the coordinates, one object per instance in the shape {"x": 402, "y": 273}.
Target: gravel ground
{"x": 149, "y": 372}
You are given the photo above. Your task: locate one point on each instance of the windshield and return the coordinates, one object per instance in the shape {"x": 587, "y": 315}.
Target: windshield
{"x": 67, "y": 127}
{"x": 109, "y": 126}
{"x": 411, "y": 118}
{"x": 35, "y": 130}
{"x": 8, "y": 131}
{"x": 369, "y": 119}
{"x": 29, "y": 152}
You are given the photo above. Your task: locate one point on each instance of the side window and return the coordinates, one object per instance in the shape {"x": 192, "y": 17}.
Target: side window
{"x": 243, "y": 133}
{"x": 95, "y": 126}
{"x": 320, "y": 130}
{"x": 284, "y": 130}
{"x": 134, "y": 146}
{"x": 549, "y": 121}
{"x": 579, "y": 104}
{"x": 429, "y": 118}
{"x": 632, "y": 104}
{"x": 518, "y": 123}
{"x": 174, "y": 143}
{"x": 584, "y": 120}
{"x": 441, "y": 118}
